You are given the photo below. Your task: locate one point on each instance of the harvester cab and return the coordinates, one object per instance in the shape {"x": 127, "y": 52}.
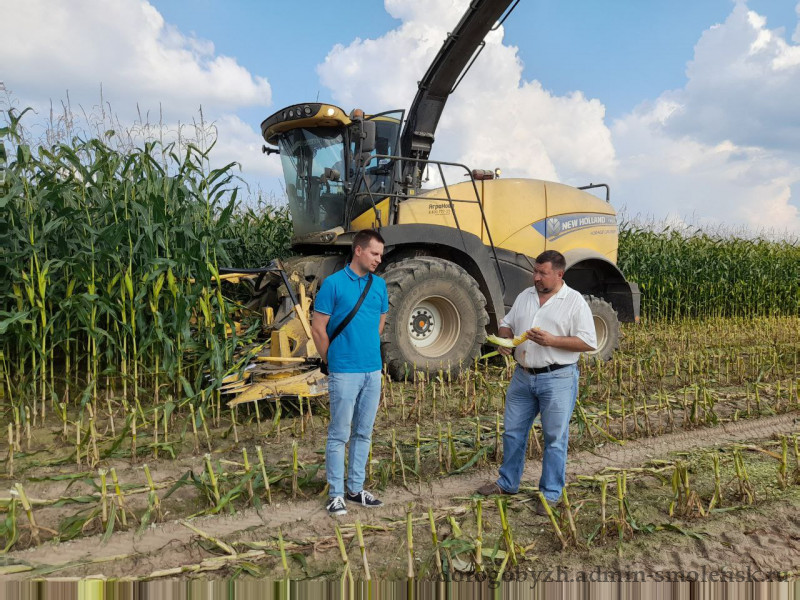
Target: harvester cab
{"x": 332, "y": 164}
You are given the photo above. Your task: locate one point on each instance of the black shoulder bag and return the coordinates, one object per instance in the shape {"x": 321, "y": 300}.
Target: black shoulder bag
{"x": 340, "y": 327}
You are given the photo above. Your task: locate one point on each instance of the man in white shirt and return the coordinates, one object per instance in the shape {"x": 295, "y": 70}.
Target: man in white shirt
{"x": 558, "y": 325}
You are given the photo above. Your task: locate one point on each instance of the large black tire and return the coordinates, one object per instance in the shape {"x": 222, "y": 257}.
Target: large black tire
{"x": 437, "y": 317}
{"x": 606, "y": 325}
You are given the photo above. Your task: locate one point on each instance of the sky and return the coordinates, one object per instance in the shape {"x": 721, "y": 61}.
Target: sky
{"x": 687, "y": 109}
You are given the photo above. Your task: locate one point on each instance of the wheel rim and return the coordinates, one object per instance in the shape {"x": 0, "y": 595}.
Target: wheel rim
{"x": 601, "y": 330}
{"x": 434, "y": 326}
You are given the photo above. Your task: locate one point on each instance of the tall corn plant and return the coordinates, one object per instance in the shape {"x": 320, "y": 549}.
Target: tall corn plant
{"x": 257, "y": 234}
{"x": 107, "y": 259}
{"x": 705, "y": 275}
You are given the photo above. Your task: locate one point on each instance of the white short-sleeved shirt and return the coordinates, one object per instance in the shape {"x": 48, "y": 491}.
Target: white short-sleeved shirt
{"x": 565, "y": 314}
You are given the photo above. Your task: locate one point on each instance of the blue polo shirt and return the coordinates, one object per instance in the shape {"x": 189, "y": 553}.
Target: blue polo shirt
{"x": 358, "y": 348}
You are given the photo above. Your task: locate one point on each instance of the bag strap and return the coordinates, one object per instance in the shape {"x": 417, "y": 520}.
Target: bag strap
{"x": 340, "y": 327}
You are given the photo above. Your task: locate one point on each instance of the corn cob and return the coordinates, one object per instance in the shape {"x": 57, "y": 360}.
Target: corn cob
{"x": 505, "y": 342}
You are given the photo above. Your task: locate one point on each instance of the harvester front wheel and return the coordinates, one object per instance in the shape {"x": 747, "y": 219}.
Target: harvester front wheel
{"x": 437, "y": 317}
{"x": 606, "y": 326}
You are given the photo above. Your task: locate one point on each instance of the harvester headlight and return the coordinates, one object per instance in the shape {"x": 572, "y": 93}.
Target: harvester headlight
{"x": 330, "y": 112}
{"x": 307, "y": 110}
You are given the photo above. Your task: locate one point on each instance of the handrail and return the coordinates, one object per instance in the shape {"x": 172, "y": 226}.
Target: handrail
{"x": 399, "y": 197}
{"x": 597, "y": 185}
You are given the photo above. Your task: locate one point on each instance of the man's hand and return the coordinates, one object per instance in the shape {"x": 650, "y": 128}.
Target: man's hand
{"x": 544, "y": 338}
{"x": 541, "y": 337}
{"x": 505, "y": 332}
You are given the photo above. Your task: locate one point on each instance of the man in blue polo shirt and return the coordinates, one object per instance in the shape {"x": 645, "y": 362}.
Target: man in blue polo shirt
{"x": 354, "y": 365}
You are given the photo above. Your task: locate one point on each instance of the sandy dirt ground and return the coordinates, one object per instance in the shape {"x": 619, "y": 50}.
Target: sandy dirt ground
{"x": 762, "y": 539}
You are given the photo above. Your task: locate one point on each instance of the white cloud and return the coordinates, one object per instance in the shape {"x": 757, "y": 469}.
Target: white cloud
{"x": 710, "y": 185}
{"x": 238, "y": 141}
{"x": 494, "y": 119}
{"x": 155, "y": 79}
{"x": 722, "y": 149}
{"x": 743, "y": 82}
{"x": 126, "y": 46}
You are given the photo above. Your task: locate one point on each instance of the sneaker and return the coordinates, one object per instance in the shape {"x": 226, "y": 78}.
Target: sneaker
{"x": 364, "y": 498}
{"x": 492, "y": 489}
{"x": 336, "y": 506}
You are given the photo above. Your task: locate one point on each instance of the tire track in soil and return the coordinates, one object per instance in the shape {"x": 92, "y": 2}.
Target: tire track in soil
{"x": 170, "y": 544}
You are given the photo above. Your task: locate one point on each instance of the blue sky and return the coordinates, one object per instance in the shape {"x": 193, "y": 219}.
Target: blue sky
{"x": 643, "y": 45}
{"x": 688, "y": 108}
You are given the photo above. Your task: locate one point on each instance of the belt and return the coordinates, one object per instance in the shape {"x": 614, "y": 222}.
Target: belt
{"x": 547, "y": 369}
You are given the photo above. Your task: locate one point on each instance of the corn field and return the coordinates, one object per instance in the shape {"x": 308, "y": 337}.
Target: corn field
{"x": 704, "y": 275}
{"x": 95, "y": 481}
{"x": 108, "y": 259}
{"x": 114, "y": 343}
{"x": 256, "y": 234}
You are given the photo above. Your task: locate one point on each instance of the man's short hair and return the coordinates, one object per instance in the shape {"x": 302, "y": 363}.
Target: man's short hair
{"x": 364, "y": 237}
{"x": 555, "y": 258}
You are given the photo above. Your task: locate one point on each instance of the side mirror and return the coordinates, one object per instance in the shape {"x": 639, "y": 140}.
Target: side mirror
{"x": 367, "y": 136}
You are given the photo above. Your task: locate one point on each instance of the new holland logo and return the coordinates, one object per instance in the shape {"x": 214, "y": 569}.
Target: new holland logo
{"x": 555, "y": 227}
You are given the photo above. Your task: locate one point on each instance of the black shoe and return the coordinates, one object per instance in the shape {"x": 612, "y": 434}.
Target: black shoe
{"x": 364, "y": 498}
{"x": 492, "y": 489}
{"x": 336, "y": 506}
{"x": 540, "y": 509}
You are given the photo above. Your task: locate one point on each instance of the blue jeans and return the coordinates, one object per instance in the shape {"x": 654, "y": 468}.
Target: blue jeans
{"x": 354, "y": 401}
{"x": 553, "y": 395}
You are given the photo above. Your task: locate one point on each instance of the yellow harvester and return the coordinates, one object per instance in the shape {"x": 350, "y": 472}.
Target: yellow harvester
{"x": 456, "y": 255}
